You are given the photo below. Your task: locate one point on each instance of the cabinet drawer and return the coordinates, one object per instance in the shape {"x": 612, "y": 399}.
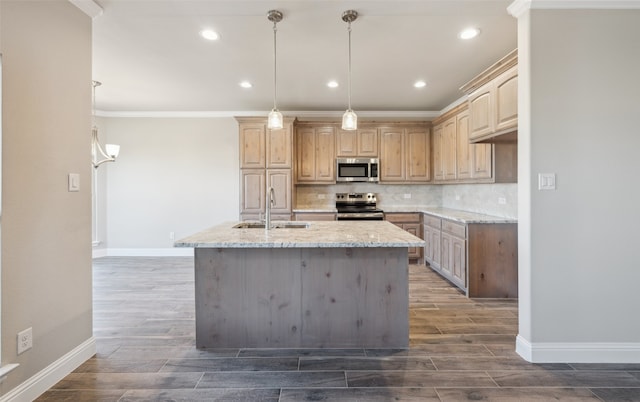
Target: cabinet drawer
{"x": 432, "y": 221}
{"x": 402, "y": 217}
{"x": 455, "y": 229}
{"x": 318, "y": 216}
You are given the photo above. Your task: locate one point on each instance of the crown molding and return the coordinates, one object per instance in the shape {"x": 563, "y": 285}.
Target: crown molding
{"x": 313, "y": 114}
{"x": 519, "y": 7}
{"x": 89, "y": 7}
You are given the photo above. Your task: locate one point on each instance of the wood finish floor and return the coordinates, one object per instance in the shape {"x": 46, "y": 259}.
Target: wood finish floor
{"x": 460, "y": 350}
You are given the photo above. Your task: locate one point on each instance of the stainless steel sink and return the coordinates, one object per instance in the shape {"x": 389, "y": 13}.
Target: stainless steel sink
{"x": 274, "y": 225}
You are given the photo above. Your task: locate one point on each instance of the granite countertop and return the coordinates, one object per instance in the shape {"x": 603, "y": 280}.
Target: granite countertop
{"x": 465, "y": 216}
{"x": 329, "y": 234}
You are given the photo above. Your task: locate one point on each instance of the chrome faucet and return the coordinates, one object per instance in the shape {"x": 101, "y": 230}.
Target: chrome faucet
{"x": 269, "y": 202}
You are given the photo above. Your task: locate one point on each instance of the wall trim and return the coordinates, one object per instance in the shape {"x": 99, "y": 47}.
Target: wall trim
{"x": 578, "y": 352}
{"x": 150, "y": 252}
{"x": 50, "y": 375}
{"x": 301, "y": 115}
{"x": 519, "y": 7}
{"x": 89, "y": 7}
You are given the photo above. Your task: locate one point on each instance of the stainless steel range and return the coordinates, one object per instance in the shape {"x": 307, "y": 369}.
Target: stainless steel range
{"x": 358, "y": 207}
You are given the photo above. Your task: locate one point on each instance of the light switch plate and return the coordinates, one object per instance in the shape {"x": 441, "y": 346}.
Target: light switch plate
{"x": 74, "y": 182}
{"x": 546, "y": 181}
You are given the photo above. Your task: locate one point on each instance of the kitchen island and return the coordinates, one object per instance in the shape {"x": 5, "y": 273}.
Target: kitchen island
{"x": 328, "y": 284}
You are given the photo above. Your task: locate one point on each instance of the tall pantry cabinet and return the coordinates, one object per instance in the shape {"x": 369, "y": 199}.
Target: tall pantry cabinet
{"x": 266, "y": 160}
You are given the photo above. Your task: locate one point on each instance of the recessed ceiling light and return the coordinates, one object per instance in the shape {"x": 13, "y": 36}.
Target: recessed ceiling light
{"x": 209, "y": 34}
{"x": 246, "y": 84}
{"x": 420, "y": 84}
{"x": 469, "y": 33}
{"x": 332, "y": 84}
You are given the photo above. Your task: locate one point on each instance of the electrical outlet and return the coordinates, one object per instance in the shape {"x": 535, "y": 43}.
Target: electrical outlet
{"x": 457, "y": 197}
{"x": 502, "y": 200}
{"x": 25, "y": 340}
{"x": 172, "y": 236}
{"x": 407, "y": 196}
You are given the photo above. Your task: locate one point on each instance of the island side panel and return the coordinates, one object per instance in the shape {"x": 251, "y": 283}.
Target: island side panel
{"x": 355, "y": 297}
{"x": 247, "y": 297}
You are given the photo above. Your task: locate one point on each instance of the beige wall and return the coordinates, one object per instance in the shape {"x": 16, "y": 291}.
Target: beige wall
{"x": 578, "y": 251}
{"x": 46, "y": 260}
{"x": 176, "y": 175}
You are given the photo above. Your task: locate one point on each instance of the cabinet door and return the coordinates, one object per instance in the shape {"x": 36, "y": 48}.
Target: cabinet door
{"x": 481, "y": 112}
{"x": 325, "y": 155}
{"x": 482, "y": 161}
{"x": 438, "y": 171}
{"x": 428, "y": 247}
{"x": 368, "y": 142}
{"x": 449, "y": 149}
{"x": 458, "y": 261}
{"x": 306, "y": 154}
{"x": 279, "y": 147}
{"x": 392, "y": 152}
{"x": 445, "y": 256}
{"x": 347, "y": 143}
{"x": 436, "y": 259}
{"x": 464, "y": 156}
{"x": 506, "y": 100}
{"x": 418, "y": 151}
{"x": 280, "y": 180}
{"x": 252, "y": 191}
{"x": 252, "y": 145}
{"x": 414, "y": 229}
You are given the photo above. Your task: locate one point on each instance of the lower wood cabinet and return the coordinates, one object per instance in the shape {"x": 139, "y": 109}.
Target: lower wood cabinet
{"x": 479, "y": 258}
{"x": 315, "y": 216}
{"x": 410, "y": 222}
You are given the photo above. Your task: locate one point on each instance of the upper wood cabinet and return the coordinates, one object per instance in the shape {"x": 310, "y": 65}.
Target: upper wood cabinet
{"x": 493, "y": 102}
{"x": 357, "y": 143}
{"x": 266, "y": 160}
{"x": 315, "y": 156}
{"x": 405, "y": 154}
{"x": 264, "y": 148}
{"x": 252, "y": 144}
{"x": 506, "y": 100}
{"x": 457, "y": 161}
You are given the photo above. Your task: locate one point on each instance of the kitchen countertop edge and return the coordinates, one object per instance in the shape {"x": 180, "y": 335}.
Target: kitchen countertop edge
{"x": 330, "y": 234}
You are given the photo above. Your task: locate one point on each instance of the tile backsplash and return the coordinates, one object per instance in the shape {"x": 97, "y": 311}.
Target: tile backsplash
{"x": 480, "y": 198}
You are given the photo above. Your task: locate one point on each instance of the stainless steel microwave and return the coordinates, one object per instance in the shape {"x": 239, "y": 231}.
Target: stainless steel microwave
{"x": 357, "y": 169}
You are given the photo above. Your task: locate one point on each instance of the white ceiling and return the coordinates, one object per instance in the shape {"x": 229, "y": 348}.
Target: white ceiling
{"x": 150, "y": 57}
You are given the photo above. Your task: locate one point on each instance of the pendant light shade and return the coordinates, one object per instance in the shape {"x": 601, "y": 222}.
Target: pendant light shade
{"x": 274, "y": 120}
{"x": 349, "y": 119}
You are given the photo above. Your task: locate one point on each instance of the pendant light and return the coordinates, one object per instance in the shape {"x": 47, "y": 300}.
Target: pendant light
{"x": 349, "y": 118}
{"x": 110, "y": 152}
{"x": 274, "y": 121}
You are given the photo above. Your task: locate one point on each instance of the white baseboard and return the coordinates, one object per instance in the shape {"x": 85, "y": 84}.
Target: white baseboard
{"x": 593, "y": 352}
{"x": 50, "y": 375}
{"x": 150, "y": 252}
{"x": 99, "y": 253}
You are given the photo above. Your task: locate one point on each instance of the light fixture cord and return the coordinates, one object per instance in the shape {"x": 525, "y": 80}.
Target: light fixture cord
{"x": 275, "y": 57}
{"x": 349, "y": 77}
